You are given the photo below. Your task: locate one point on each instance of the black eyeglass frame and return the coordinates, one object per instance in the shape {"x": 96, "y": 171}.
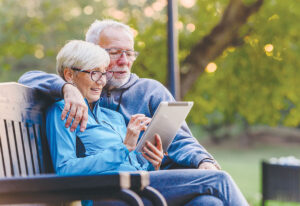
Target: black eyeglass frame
{"x": 91, "y": 74}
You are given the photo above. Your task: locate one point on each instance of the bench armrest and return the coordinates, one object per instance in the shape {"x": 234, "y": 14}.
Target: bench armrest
{"x": 53, "y": 188}
{"x": 52, "y": 182}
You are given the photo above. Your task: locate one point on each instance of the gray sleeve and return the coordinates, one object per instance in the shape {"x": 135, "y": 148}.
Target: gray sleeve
{"x": 185, "y": 150}
{"x": 50, "y": 84}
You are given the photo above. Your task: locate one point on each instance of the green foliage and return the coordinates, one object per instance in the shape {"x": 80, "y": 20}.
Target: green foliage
{"x": 251, "y": 85}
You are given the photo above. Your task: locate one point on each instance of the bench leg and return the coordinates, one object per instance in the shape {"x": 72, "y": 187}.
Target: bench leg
{"x": 131, "y": 198}
{"x": 154, "y": 196}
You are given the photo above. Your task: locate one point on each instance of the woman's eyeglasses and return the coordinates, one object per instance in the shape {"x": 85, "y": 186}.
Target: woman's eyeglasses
{"x": 96, "y": 75}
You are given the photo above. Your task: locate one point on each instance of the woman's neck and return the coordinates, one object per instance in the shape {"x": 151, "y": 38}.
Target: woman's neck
{"x": 91, "y": 105}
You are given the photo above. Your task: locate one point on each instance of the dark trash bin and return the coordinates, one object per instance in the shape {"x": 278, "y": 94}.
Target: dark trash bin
{"x": 280, "y": 182}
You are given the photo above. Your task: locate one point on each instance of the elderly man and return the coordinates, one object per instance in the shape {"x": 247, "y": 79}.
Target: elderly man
{"x": 125, "y": 93}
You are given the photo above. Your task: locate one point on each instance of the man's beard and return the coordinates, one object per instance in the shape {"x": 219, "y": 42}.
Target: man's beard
{"x": 117, "y": 83}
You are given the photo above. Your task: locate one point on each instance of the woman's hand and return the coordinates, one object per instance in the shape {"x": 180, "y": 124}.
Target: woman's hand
{"x": 154, "y": 154}
{"x": 137, "y": 123}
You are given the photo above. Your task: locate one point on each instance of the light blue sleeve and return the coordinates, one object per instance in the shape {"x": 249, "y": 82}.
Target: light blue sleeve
{"x": 50, "y": 84}
{"x": 62, "y": 144}
{"x": 143, "y": 163}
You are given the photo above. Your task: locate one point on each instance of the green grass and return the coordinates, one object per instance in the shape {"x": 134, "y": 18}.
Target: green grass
{"x": 244, "y": 166}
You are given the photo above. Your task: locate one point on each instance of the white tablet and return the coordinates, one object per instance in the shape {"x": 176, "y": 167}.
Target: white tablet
{"x": 166, "y": 121}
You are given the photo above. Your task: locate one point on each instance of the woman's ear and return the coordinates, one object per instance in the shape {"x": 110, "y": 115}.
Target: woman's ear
{"x": 68, "y": 75}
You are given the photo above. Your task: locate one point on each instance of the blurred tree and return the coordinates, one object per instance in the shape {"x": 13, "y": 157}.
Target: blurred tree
{"x": 254, "y": 82}
{"x": 235, "y": 66}
{"x": 225, "y": 34}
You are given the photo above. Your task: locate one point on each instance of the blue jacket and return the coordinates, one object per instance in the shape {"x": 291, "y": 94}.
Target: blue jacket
{"x": 139, "y": 95}
{"x": 102, "y": 139}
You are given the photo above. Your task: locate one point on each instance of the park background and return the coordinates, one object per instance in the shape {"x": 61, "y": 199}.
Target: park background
{"x": 238, "y": 60}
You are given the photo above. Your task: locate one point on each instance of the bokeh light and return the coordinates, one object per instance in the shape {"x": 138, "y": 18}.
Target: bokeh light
{"x": 187, "y": 3}
{"x": 148, "y": 11}
{"x": 39, "y": 51}
{"x": 273, "y": 17}
{"x": 158, "y": 5}
{"x": 88, "y": 10}
{"x": 135, "y": 32}
{"x": 141, "y": 44}
{"x": 269, "y": 47}
{"x": 179, "y": 25}
{"x": 211, "y": 67}
{"x": 117, "y": 14}
{"x": 190, "y": 27}
{"x": 76, "y": 11}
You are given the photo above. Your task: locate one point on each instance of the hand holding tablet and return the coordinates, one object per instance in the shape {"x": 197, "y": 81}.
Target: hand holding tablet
{"x": 166, "y": 121}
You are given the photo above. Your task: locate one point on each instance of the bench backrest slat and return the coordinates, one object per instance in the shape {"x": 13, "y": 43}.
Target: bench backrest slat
{"x": 2, "y": 171}
{"x": 23, "y": 144}
{"x": 14, "y": 160}
{"x": 5, "y": 150}
{"x": 20, "y": 148}
{"x": 33, "y": 147}
{"x": 27, "y": 149}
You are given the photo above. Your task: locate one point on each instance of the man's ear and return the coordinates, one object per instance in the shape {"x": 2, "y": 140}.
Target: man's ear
{"x": 68, "y": 74}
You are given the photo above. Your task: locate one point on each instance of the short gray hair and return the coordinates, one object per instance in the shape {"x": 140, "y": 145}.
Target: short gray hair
{"x": 82, "y": 55}
{"x": 93, "y": 33}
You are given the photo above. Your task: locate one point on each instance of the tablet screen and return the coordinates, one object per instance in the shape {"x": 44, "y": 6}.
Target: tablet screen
{"x": 166, "y": 121}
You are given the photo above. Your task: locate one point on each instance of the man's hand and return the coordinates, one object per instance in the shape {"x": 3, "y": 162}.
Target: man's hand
{"x": 154, "y": 154}
{"x": 76, "y": 107}
{"x": 208, "y": 166}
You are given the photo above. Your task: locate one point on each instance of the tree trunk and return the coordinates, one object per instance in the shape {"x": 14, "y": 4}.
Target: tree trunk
{"x": 222, "y": 36}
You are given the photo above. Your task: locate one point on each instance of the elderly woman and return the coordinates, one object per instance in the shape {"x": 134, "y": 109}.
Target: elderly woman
{"x": 109, "y": 145}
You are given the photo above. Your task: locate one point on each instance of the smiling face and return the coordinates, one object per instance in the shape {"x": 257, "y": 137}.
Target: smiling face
{"x": 89, "y": 89}
{"x": 118, "y": 38}
{"x": 83, "y": 64}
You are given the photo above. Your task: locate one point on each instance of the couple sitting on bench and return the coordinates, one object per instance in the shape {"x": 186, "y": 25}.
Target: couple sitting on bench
{"x": 109, "y": 144}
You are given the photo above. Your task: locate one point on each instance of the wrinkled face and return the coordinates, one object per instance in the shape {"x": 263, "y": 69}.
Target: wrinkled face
{"x": 120, "y": 39}
{"x": 89, "y": 89}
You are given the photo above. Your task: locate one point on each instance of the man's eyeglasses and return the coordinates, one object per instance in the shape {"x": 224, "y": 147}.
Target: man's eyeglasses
{"x": 96, "y": 75}
{"x": 116, "y": 53}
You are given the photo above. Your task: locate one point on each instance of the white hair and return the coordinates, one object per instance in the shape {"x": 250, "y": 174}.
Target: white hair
{"x": 82, "y": 55}
{"x": 93, "y": 33}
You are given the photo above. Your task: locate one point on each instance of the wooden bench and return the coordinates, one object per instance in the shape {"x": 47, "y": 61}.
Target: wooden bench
{"x": 26, "y": 172}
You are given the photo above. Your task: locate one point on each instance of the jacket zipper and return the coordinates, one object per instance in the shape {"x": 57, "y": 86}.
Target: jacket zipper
{"x": 93, "y": 114}
{"x": 130, "y": 161}
{"x": 129, "y": 158}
